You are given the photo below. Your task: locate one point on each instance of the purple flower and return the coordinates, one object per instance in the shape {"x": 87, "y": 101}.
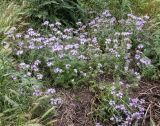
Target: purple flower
{"x": 37, "y": 92}
{"x": 68, "y": 66}
{"x": 140, "y": 46}
{"x": 58, "y": 23}
{"x": 39, "y": 76}
{"x": 46, "y": 23}
{"x": 14, "y": 77}
{"x": 29, "y": 74}
{"x": 49, "y": 64}
{"x": 111, "y": 102}
{"x": 129, "y": 46}
{"x": 120, "y": 95}
{"x": 58, "y": 70}
{"x": 20, "y": 44}
{"x": 19, "y": 35}
{"x": 82, "y": 57}
{"x": 19, "y": 52}
{"x": 137, "y": 56}
{"x": 51, "y": 25}
{"x": 50, "y": 91}
{"x": 56, "y": 101}
{"x": 37, "y": 62}
{"x": 98, "y": 124}
{"x": 145, "y": 61}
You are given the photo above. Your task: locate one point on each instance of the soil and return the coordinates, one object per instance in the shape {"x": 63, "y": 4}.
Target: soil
{"x": 76, "y": 108}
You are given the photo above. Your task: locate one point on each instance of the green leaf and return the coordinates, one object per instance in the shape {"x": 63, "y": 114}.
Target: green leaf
{"x": 48, "y": 112}
{"x": 11, "y": 101}
{"x": 48, "y": 3}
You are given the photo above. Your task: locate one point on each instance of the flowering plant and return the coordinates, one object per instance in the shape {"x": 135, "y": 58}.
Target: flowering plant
{"x": 117, "y": 107}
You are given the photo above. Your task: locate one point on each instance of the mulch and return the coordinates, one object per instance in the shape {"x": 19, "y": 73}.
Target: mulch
{"x": 76, "y": 108}
{"x": 150, "y": 92}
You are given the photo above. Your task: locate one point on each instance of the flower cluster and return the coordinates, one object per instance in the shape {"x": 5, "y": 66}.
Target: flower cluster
{"x": 126, "y": 110}
{"x": 49, "y": 92}
{"x": 60, "y": 52}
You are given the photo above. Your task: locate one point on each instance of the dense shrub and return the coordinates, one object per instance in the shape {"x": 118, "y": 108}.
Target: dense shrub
{"x": 73, "y": 56}
{"x": 67, "y": 12}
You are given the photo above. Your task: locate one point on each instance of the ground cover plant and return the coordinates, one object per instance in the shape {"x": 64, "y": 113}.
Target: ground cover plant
{"x": 81, "y": 73}
{"x": 21, "y": 101}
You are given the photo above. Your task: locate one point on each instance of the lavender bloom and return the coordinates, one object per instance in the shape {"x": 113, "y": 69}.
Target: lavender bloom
{"x": 26, "y": 36}
{"x": 55, "y": 29}
{"x": 64, "y": 36}
{"x": 19, "y": 52}
{"x": 57, "y": 47}
{"x": 79, "y": 23}
{"x": 94, "y": 40}
{"x": 126, "y": 33}
{"x": 49, "y": 64}
{"x": 19, "y": 35}
{"x": 56, "y": 101}
{"x": 82, "y": 57}
{"x": 108, "y": 41}
{"x": 46, "y": 23}
{"x": 76, "y": 46}
{"x": 20, "y": 44}
{"x": 31, "y": 32}
{"x": 120, "y": 95}
{"x": 37, "y": 92}
{"x": 106, "y": 13}
{"x": 58, "y": 23}
{"x": 137, "y": 56}
{"x": 112, "y": 103}
{"x": 117, "y": 34}
{"x": 37, "y": 62}
{"x": 58, "y": 70}
{"x": 136, "y": 115}
{"x": 68, "y": 47}
{"x": 39, "y": 76}
{"x": 74, "y": 52}
{"x": 129, "y": 46}
{"x": 140, "y": 46}
{"x": 146, "y": 17}
{"x": 68, "y": 66}
{"x": 29, "y": 74}
{"x": 98, "y": 124}
{"x": 14, "y": 77}
{"x": 50, "y": 91}
{"x": 145, "y": 61}
{"x": 140, "y": 24}
{"x": 24, "y": 66}
{"x": 34, "y": 68}
{"x": 51, "y": 25}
